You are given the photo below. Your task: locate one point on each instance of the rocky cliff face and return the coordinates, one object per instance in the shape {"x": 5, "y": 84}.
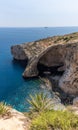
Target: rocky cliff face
{"x": 61, "y": 51}
{"x": 69, "y": 80}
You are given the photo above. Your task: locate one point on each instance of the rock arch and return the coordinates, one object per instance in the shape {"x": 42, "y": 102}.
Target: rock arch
{"x": 52, "y": 52}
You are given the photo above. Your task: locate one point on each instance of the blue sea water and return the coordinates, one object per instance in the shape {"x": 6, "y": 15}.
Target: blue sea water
{"x": 13, "y": 88}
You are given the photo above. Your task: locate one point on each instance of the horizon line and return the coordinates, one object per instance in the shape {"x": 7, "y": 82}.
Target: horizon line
{"x": 35, "y": 26}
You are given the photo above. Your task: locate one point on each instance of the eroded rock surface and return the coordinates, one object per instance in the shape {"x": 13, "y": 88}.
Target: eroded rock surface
{"x": 15, "y": 121}
{"x": 61, "y": 51}
{"x": 75, "y": 101}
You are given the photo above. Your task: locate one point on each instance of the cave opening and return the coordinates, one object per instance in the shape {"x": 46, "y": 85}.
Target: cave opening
{"x": 53, "y": 75}
{"x": 53, "y": 70}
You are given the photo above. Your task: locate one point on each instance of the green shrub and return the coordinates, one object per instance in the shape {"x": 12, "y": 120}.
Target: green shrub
{"x": 43, "y": 117}
{"x": 4, "y": 109}
{"x": 40, "y": 102}
{"x": 55, "y": 120}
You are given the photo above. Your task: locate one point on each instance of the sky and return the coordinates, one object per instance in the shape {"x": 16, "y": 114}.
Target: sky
{"x": 38, "y": 13}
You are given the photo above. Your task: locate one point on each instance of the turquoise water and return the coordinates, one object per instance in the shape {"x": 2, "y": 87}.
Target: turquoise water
{"x": 13, "y": 88}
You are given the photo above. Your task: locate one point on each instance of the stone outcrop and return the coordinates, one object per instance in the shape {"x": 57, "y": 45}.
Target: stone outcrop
{"x": 57, "y": 51}
{"x": 15, "y": 121}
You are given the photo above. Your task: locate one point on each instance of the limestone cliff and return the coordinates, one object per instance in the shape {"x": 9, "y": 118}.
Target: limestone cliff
{"x": 61, "y": 51}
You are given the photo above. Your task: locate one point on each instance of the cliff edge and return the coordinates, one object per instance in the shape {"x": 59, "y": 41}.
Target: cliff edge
{"x": 58, "y": 51}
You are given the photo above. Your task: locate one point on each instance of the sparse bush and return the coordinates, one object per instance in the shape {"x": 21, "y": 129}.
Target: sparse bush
{"x": 4, "y": 109}
{"x": 55, "y": 120}
{"x": 43, "y": 117}
{"x": 40, "y": 102}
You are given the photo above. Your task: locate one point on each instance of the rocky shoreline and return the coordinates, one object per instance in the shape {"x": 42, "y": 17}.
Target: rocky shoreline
{"x": 55, "y": 57}
{"x": 51, "y": 83}
{"x": 55, "y": 61}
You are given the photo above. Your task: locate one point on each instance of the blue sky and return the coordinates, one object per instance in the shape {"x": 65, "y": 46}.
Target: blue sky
{"x": 38, "y": 13}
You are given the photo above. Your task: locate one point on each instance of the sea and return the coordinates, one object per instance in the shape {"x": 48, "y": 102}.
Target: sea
{"x": 14, "y": 90}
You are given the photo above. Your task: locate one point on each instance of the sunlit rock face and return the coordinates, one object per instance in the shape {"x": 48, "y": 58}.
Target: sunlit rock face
{"x": 59, "y": 51}
{"x": 69, "y": 80}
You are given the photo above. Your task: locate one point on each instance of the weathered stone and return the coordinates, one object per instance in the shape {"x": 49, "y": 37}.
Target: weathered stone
{"x": 15, "y": 121}
{"x": 69, "y": 80}
{"x": 75, "y": 101}
{"x": 59, "y": 51}
{"x": 18, "y": 52}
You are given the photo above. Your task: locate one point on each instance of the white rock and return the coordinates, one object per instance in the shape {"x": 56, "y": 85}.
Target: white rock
{"x": 17, "y": 121}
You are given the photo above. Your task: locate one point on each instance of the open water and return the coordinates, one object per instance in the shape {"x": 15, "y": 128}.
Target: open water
{"x": 14, "y": 90}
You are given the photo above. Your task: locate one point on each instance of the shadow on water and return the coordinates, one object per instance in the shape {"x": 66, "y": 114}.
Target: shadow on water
{"x": 21, "y": 63}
